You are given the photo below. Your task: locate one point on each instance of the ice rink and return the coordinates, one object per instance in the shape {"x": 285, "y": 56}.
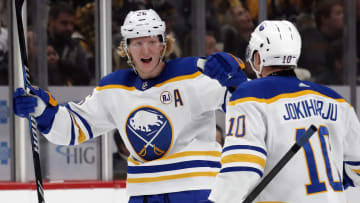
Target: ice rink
{"x": 87, "y": 192}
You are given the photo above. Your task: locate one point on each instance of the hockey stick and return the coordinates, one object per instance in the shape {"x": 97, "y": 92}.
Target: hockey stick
{"x": 31, "y": 119}
{"x": 284, "y": 160}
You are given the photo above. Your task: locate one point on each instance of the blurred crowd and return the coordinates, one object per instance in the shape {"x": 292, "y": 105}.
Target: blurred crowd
{"x": 70, "y": 31}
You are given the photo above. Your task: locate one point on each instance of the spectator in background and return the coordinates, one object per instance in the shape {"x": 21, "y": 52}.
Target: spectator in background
{"x": 334, "y": 73}
{"x": 329, "y": 28}
{"x": 276, "y": 9}
{"x": 305, "y": 19}
{"x": 236, "y": 36}
{"x": 72, "y": 65}
{"x": 219, "y": 135}
{"x": 210, "y": 44}
{"x": 4, "y": 36}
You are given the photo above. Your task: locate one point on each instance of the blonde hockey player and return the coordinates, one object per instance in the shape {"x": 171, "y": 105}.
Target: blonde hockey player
{"x": 164, "y": 111}
{"x": 267, "y": 115}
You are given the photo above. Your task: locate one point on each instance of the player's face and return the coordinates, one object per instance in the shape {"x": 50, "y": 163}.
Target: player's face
{"x": 145, "y": 53}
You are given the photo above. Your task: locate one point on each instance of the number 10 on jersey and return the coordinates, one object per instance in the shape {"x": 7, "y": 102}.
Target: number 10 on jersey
{"x": 316, "y": 185}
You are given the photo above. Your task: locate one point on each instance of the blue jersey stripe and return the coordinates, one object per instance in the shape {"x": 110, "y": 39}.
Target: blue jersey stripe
{"x": 241, "y": 168}
{"x": 72, "y": 140}
{"x": 86, "y": 124}
{"x": 234, "y": 147}
{"x": 353, "y": 163}
{"x": 173, "y": 166}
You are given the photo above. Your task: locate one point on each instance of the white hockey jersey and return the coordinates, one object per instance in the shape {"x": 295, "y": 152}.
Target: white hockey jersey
{"x": 167, "y": 124}
{"x": 264, "y": 118}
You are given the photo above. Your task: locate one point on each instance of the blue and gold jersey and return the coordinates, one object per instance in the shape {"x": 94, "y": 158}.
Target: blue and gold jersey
{"x": 264, "y": 119}
{"x": 167, "y": 124}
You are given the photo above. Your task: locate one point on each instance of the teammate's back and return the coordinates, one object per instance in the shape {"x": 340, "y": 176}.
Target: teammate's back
{"x": 314, "y": 174}
{"x": 266, "y": 116}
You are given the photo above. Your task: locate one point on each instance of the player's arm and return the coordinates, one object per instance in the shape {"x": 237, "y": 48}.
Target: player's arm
{"x": 243, "y": 156}
{"x": 64, "y": 125}
{"x": 351, "y": 170}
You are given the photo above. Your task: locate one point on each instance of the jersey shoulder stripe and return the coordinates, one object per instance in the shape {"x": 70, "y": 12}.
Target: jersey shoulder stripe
{"x": 83, "y": 120}
{"x": 175, "y": 70}
{"x": 272, "y": 88}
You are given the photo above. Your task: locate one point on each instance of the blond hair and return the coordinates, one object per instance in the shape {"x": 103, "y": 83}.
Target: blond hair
{"x": 169, "y": 47}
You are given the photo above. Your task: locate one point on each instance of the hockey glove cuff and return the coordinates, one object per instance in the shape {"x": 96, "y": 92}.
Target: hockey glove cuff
{"x": 226, "y": 68}
{"x": 39, "y": 103}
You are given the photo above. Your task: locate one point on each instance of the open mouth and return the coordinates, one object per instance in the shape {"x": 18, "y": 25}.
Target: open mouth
{"x": 146, "y": 60}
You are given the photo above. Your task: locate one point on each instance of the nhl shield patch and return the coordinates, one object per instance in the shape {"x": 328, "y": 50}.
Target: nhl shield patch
{"x": 150, "y": 132}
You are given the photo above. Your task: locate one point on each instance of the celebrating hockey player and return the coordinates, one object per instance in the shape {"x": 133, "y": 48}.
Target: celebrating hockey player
{"x": 164, "y": 111}
{"x": 267, "y": 115}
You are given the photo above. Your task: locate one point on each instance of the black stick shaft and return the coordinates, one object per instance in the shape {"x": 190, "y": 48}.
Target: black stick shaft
{"x": 32, "y": 121}
{"x": 283, "y": 161}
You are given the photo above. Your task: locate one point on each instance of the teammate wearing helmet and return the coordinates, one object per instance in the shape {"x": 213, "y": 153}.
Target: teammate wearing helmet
{"x": 164, "y": 111}
{"x": 264, "y": 118}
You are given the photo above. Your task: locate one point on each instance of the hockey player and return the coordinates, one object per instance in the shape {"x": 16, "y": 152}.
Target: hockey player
{"x": 164, "y": 111}
{"x": 264, "y": 118}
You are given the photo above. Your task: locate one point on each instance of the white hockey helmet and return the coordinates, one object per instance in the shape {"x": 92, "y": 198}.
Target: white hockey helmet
{"x": 278, "y": 43}
{"x": 142, "y": 23}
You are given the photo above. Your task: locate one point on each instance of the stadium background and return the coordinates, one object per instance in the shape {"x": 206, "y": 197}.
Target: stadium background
{"x": 199, "y": 27}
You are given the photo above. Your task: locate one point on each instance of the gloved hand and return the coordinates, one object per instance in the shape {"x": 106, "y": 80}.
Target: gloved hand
{"x": 39, "y": 104}
{"x": 226, "y": 68}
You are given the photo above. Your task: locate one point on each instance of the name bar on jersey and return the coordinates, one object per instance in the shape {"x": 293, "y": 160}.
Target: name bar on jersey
{"x": 309, "y": 108}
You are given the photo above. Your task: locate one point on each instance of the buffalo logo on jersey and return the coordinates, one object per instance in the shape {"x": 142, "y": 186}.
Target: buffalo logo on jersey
{"x": 149, "y": 132}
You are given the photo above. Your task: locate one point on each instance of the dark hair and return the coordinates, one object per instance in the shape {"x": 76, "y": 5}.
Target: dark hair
{"x": 323, "y": 9}
{"x": 60, "y": 7}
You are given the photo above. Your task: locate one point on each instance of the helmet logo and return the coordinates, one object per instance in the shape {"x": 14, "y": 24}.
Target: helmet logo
{"x": 261, "y": 28}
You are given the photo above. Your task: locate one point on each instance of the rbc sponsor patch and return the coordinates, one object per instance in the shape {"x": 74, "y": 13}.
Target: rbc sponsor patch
{"x": 149, "y": 132}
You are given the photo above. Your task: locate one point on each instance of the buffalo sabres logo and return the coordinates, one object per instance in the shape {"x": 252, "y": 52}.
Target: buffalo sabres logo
{"x": 149, "y": 132}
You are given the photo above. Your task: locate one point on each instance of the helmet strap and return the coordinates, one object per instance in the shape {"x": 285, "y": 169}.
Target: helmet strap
{"x": 257, "y": 72}
{"x": 129, "y": 61}
{"x": 163, "y": 52}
